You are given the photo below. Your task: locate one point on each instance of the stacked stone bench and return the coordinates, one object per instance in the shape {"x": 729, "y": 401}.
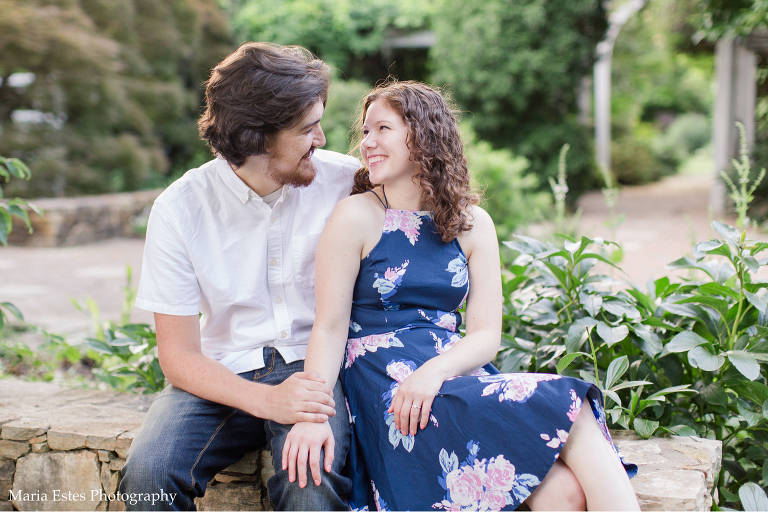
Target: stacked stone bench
{"x": 69, "y": 446}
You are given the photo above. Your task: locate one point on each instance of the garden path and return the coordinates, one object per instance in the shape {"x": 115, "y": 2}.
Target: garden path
{"x": 661, "y": 223}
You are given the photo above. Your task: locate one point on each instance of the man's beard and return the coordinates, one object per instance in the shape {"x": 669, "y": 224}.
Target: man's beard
{"x": 301, "y": 176}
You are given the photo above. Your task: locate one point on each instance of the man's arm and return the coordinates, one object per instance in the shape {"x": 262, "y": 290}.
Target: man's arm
{"x": 303, "y": 396}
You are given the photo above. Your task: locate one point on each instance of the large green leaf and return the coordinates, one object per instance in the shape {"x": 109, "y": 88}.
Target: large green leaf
{"x": 703, "y": 248}
{"x": 567, "y": 359}
{"x": 719, "y": 289}
{"x": 621, "y": 308}
{"x": 745, "y": 363}
{"x": 720, "y": 305}
{"x": 643, "y": 299}
{"x": 592, "y": 302}
{"x": 577, "y": 333}
{"x": 616, "y": 369}
{"x": 684, "y": 341}
{"x": 651, "y": 344}
{"x": 612, "y": 335}
{"x": 700, "y": 357}
{"x": 729, "y": 233}
{"x": 753, "y": 497}
{"x": 758, "y": 299}
{"x": 645, "y": 428}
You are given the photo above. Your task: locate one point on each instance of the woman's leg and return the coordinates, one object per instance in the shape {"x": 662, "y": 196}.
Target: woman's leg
{"x": 560, "y": 490}
{"x": 592, "y": 459}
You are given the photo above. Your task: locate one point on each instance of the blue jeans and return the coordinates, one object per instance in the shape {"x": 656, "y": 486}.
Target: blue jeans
{"x": 185, "y": 440}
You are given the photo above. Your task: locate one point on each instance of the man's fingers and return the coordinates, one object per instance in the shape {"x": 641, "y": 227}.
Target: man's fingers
{"x": 301, "y": 465}
{"x": 311, "y": 375}
{"x": 286, "y": 449}
{"x": 292, "y": 463}
{"x": 311, "y": 417}
{"x": 314, "y": 464}
{"x": 329, "y": 446}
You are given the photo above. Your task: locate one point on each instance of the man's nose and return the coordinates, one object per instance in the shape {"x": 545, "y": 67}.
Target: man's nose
{"x": 319, "y": 137}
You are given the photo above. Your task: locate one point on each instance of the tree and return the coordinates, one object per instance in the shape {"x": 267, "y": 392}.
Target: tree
{"x": 729, "y": 18}
{"x": 515, "y": 68}
{"x": 112, "y": 89}
{"x": 348, "y": 35}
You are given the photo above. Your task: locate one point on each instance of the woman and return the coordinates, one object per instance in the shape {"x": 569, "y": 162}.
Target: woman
{"x": 435, "y": 426}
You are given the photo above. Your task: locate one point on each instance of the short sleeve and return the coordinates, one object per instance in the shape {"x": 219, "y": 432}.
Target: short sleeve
{"x": 168, "y": 282}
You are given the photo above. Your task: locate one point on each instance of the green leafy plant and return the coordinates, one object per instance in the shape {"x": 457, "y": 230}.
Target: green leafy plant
{"x": 679, "y": 357}
{"x": 743, "y": 194}
{"x": 125, "y": 353}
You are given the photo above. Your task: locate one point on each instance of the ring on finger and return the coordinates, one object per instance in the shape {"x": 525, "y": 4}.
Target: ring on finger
{"x": 415, "y": 406}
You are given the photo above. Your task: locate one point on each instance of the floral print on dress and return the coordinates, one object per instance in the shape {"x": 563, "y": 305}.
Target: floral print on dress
{"x": 357, "y": 347}
{"x": 387, "y": 285}
{"x": 517, "y": 387}
{"x": 573, "y": 411}
{"x": 458, "y": 266}
{"x": 398, "y": 371}
{"x": 406, "y": 221}
{"x": 481, "y": 484}
{"x": 560, "y": 437}
{"x": 444, "y": 319}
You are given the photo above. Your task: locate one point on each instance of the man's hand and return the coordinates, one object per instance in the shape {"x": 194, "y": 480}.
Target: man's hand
{"x": 305, "y": 442}
{"x": 304, "y": 396}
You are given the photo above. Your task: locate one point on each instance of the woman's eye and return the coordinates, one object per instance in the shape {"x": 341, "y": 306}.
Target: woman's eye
{"x": 365, "y": 132}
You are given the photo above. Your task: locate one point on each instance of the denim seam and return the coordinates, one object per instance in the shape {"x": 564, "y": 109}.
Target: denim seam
{"x": 271, "y": 368}
{"x": 213, "y": 436}
{"x": 271, "y": 448}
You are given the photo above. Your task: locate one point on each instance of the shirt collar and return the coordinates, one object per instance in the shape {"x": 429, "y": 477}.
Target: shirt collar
{"x": 232, "y": 180}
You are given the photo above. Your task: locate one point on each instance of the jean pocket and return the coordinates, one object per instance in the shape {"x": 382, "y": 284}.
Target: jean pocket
{"x": 304, "y": 251}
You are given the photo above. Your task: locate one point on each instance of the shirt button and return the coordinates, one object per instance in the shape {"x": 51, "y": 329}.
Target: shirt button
{"x": 273, "y": 262}
{"x": 279, "y": 300}
{"x": 272, "y": 220}
{"x": 283, "y": 334}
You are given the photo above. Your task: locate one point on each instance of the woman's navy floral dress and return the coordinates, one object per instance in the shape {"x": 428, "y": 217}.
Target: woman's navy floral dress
{"x": 491, "y": 438}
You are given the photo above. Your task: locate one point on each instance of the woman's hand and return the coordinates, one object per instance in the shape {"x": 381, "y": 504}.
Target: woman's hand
{"x": 414, "y": 398}
{"x": 305, "y": 442}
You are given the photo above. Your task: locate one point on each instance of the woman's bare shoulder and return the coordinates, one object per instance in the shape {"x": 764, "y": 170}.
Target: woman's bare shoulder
{"x": 482, "y": 232}
{"x": 359, "y": 211}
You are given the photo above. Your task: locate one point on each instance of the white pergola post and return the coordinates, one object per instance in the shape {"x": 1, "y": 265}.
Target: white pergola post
{"x": 736, "y": 79}
{"x": 602, "y": 77}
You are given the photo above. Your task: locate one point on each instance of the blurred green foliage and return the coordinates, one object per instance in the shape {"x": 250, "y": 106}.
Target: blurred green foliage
{"x": 661, "y": 92}
{"x": 344, "y": 102}
{"x": 347, "y": 35}
{"x": 729, "y": 18}
{"x": 516, "y": 68}
{"x": 112, "y": 89}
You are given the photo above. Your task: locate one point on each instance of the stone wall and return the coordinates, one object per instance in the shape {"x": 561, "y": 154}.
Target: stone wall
{"x": 80, "y": 220}
{"x": 63, "y": 450}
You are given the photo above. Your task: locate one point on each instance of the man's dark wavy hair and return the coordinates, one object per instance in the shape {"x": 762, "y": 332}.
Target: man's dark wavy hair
{"x": 255, "y": 92}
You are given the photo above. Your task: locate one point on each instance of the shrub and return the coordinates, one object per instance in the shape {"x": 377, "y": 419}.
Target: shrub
{"x": 634, "y": 163}
{"x": 685, "y": 358}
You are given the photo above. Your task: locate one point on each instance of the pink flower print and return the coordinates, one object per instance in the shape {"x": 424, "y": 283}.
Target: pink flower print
{"x": 406, "y": 221}
{"x": 501, "y": 474}
{"x": 465, "y": 486}
{"x": 447, "y": 321}
{"x": 480, "y": 372}
{"x": 555, "y": 442}
{"x": 517, "y": 387}
{"x": 493, "y": 500}
{"x": 355, "y": 349}
{"x": 575, "y": 406}
{"x": 398, "y": 371}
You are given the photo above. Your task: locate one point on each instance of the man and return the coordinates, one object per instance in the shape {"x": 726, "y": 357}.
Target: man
{"x": 234, "y": 240}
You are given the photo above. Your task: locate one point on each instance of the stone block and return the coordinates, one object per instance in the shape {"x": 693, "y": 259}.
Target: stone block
{"x": 7, "y": 469}
{"x": 267, "y": 467}
{"x": 109, "y": 479}
{"x": 38, "y": 439}
{"x": 102, "y": 506}
{"x": 40, "y": 447}
{"x": 672, "y": 490}
{"x": 230, "y": 496}
{"x": 24, "y": 429}
{"x": 57, "y": 481}
{"x": 116, "y": 464}
{"x": 123, "y": 442}
{"x": 6, "y": 505}
{"x": 97, "y": 436}
{"x": 236, "y": 477}
{"x": 13, "y": 449}
{"x": 116, "y": 505}
{"x": 247, "y": 465}
{"x": 106, "y": 455}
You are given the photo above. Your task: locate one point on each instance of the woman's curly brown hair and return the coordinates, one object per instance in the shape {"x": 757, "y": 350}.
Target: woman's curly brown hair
{"x": 435, "y": 144}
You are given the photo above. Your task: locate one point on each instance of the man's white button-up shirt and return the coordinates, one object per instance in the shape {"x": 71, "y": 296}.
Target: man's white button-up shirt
{"x": 216, "y": 248}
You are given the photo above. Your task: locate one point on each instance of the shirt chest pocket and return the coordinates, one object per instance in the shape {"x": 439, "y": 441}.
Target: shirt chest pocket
{"x": 304, "y": 250}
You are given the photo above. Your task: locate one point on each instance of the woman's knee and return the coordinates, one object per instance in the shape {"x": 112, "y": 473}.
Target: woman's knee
{"x": 560, "y": 490}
